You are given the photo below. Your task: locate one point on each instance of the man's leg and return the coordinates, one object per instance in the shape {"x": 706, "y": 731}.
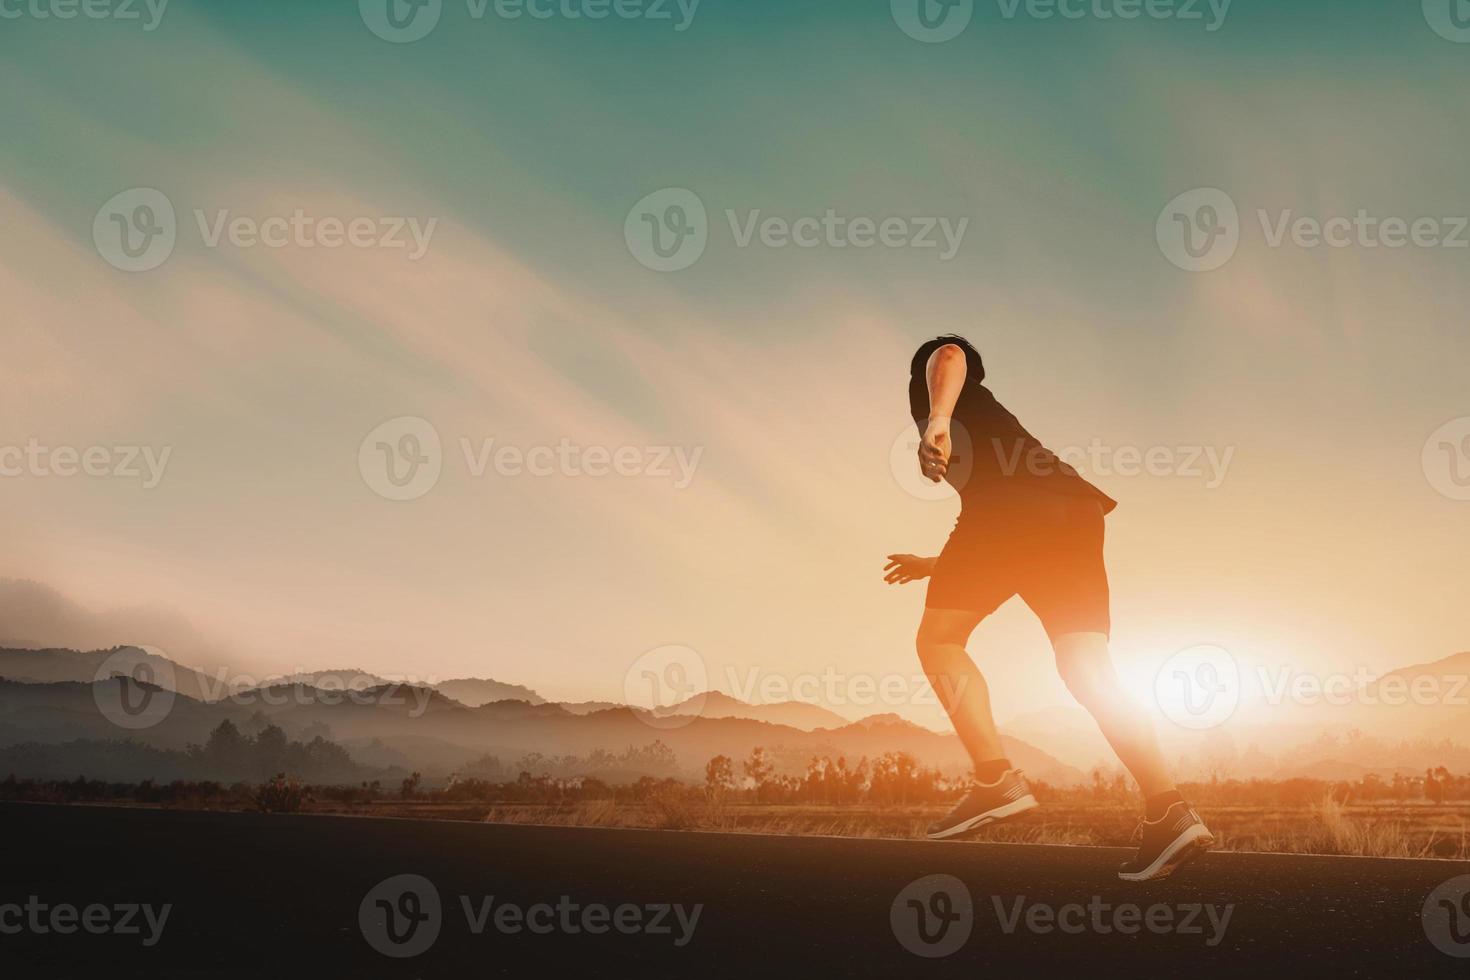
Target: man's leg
{"x": 1087, "y": 669}
{"x": 958, "y": 682}
{"x": 999, "y": 793}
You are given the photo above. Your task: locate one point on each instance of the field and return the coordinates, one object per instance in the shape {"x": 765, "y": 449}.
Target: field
{"x": 1405, "y": 830}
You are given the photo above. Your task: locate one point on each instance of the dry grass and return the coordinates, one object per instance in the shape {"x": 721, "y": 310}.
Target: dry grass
{"x": 1381, "y": 830}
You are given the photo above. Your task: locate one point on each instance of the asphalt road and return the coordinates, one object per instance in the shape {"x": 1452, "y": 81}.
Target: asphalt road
{"x": 284, "y": 896}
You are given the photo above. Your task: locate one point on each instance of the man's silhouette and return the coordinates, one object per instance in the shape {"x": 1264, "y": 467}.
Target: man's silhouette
{"x": 1028, "y": 525}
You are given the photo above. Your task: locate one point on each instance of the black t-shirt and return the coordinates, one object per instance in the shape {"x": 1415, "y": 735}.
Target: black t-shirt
{"x": 993, "y": 452}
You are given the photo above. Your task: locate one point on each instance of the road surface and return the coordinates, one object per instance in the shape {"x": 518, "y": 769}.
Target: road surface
{"x": 260, "y": 895}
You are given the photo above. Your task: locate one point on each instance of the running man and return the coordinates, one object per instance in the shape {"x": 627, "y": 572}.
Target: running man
{"x": 1028, "y": 525}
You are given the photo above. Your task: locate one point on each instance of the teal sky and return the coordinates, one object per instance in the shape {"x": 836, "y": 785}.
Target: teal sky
{"x": 529, "y": 320}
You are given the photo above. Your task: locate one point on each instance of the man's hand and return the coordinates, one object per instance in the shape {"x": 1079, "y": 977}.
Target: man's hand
{"x": 903, "y": 569}
{"x": 935, "y": 450}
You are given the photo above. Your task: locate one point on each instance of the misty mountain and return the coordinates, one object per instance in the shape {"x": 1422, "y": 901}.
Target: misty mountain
{"x": 49, "y": 666}
{"x": 796, "y": 714}
{"x": 36, "y": 616}
{"x": 475, "y": 691}
{"x": 434, "y": 733}
{"x": 72, "y": 665}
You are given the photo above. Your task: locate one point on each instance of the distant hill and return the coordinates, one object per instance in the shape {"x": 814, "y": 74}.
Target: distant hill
{"x": 1067, "y": 732}
{"x": 55, "y": 664}
{"x": 36, "y": 616}
{"x": 48, "y": 666}
{"x": 1428, "y": 700}
{"x": 46, "y": 696}
{"x": 796, "y": 714}
{"x": 434, "y": 733}
{"x": 475, "y": 691}
{"x": 586, "y": 707}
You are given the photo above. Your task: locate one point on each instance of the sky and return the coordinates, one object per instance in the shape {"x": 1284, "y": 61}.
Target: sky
{"x": 1305, "y": 403}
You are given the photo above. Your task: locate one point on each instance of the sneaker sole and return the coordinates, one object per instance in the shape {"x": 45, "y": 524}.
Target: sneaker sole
{"x": 1012, "y": 809}
{"x": 1185, "y": 848}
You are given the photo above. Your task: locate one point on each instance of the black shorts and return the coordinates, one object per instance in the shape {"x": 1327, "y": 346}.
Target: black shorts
{"x": 1045, "y": 547}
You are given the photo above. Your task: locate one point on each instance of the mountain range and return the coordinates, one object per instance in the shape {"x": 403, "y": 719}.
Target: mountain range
{"x": 52, "y": 696}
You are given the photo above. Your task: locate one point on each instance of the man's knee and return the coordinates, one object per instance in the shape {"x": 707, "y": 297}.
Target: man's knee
{"x": 1088, "y": 673}
{"x": 937, "y": 649}
{"x": 1088, "y": 685}
{"x": 929, "y": 647}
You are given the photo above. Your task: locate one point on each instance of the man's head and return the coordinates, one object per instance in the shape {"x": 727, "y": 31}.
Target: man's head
{"x": 974, "y": 366}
